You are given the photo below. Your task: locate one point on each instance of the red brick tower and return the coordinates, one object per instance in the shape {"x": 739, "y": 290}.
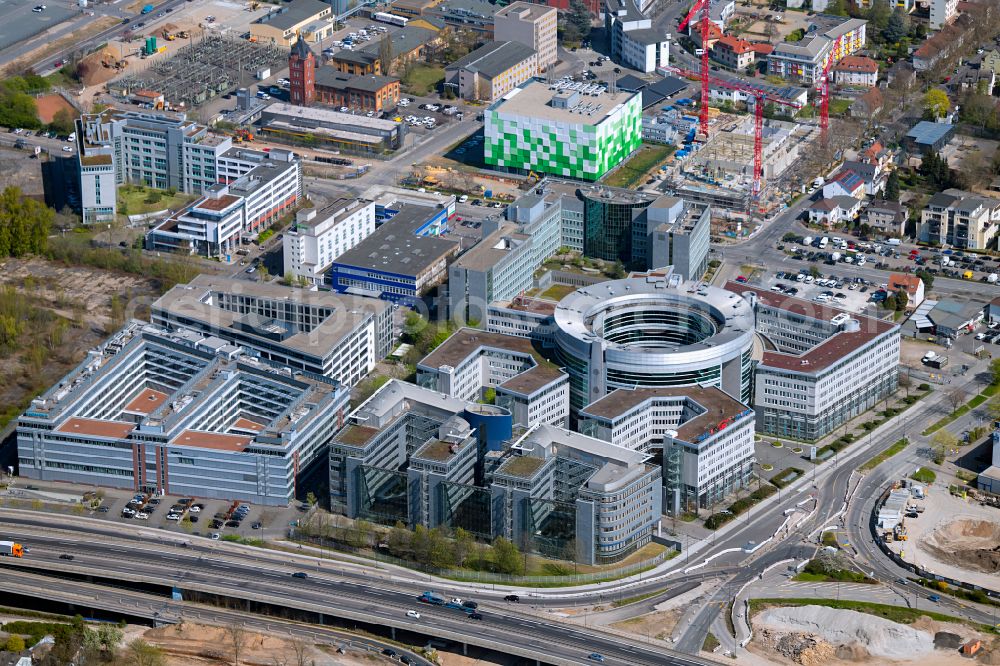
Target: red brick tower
{"x": 302, "y": 74}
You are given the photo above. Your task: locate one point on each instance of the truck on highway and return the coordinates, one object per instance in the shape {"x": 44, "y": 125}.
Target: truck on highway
{"x": 11, "y": 549}
{"x": 147, "y": 9}
{"x": 431, "y": 598}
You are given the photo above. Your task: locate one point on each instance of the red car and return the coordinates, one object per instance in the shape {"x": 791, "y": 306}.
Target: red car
{"x": 741, "y": 278}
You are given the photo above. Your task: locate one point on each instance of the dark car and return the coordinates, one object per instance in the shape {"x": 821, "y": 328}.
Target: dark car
{"x": 66, "y": 556}
{"x": 595, "y": 657}
{"x": 256, "y": 526}
{"x": 470, "y": 604}
{"x": 388, "y": 652}
{"x": 475, "y": 616}
{"x": 300, "y": 574}
{"x": 102, "y": 509}
{"x": 512, "y": 597}
{"x": 232, "y": 523}
{"x": 193, "y": 519}
{"x": 403, "y": 659}
{"x": 215, "y": 524}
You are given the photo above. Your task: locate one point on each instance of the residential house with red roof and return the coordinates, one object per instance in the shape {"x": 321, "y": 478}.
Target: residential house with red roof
{"x": 856, "y": 71}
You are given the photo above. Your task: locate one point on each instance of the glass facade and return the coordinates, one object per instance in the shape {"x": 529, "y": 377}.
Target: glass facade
{"x": 382, "y": 495}
{"x": 607, "y": 230}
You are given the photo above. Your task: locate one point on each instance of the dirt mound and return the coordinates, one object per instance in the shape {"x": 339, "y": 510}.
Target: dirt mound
{"x": 878, "y": 636}
{"x": 945, "y": 640}
{"x": 805, "y": 649}
{"x": 852, "y": 652}
{"x": 49, "y": 105}
{"x": 99, "y": 67}
{"x": 970, "y": 543}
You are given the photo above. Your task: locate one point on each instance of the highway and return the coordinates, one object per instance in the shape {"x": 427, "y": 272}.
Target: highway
{"x": 202, "y": 570}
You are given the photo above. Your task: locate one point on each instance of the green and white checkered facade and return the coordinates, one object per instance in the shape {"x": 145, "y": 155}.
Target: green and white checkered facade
{"x": 575, "y": 150}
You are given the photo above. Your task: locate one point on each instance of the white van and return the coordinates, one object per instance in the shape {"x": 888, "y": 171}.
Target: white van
{"x": 893, "y": 241}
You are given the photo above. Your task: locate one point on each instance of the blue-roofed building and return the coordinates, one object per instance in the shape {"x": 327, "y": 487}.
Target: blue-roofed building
{"x": 405, "y": 256}
{"x": 927, "y": 136}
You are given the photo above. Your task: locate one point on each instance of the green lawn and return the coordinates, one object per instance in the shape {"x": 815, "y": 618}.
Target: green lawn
{"x": 637, "y": 168}
{"x": 136, "y": 199}
{"x": 839, "y": 107}
{"x": 884, "y": 455}
{"x": 558, "y": 291}
{"x": 422, "y": 79}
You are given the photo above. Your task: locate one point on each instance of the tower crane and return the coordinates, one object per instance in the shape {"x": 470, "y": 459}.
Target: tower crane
{"x": 705, "y": 7}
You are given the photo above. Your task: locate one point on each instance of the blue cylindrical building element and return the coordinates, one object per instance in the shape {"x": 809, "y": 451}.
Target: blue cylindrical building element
{"x": 495, "y": 425}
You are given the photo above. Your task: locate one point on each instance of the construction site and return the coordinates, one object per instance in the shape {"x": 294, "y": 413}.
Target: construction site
{"x": 212, "y": 66}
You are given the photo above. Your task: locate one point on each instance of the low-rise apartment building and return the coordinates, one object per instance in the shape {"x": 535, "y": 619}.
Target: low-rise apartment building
{"x": 733, "y": 52}
{"x": 821, "y": 366}
{"x": 958, "y": 219}
{"x": 319, "y": 236}
{"x": 856, "y": 71}
{"x": 828, "y": 37}
{"x": 159, "y": 412}
{"x": 341, "y": 337}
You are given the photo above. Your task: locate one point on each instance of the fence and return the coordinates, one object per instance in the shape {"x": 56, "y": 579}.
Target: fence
{"x": 923, "y": 573}
{"x": 471, "y": 576}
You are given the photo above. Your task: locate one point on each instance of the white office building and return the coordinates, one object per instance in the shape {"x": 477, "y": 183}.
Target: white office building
{"x": 633, "y": 41}
{"x": 321, "y": 235}
{"x": 471, "y": 361}
{"x": 706, "y": 436}
{"x": 942, "y": 13}
{"x": 821, "y": 366}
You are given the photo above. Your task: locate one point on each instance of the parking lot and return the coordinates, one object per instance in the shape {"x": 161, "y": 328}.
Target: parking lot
{"x": 853, "y": 294}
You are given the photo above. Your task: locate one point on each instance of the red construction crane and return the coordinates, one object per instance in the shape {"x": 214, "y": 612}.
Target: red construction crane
{"x": 761, "y": 99}
{"x": 824, "y": 91}
{"x": 705, "y": 7}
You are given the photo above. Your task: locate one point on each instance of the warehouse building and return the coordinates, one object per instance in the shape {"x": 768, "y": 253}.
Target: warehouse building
{"x": 348, "y": 132}
{"x": 319, "y": 236}
{"x": 471, "y": 362}
{"x": 706, "y": 436}
{"x": 194, "y": 416}
{"x": 821, "y": 366}
{"x": 580, "y": 132}
{"x": 492, "y": 70}
{"x": 308, "y": 20}
{"x": 398, "y": 262}
{"x": 413, "y": 455}
{"x": 341, "y": 337}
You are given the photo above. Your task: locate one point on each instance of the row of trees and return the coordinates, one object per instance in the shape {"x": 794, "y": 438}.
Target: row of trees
{"x": 24, "y": 224}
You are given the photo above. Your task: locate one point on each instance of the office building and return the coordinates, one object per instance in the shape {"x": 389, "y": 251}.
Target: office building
{"x": 185, "y": 415}
{"x": 310, "y": 21}
{"x": 502, "y": 264}
{"x": 651, "y": 331}
{"x": 821, "y": 366}
{"x": 958, "y": 219}
{"x": 319, "y": 236}
{"x": 706, "y": 436}
{"x": 578, "y": 133}
{"x": 246, "y": 203}
{"x": 491, "y": 71}
{"x": 161, "y": 150}
{"x": 632, "y": 39}
{"x": 332, "y": 335}
{"x": 400, "y": 261}
{"x": 413, "y": 455}
{"x": 672, "y": 233}
{"x": 471, "y": 362}
{"x": 524, "y": 317}
{"x": 530, "y": 24}
{"x": 827, "y": 38}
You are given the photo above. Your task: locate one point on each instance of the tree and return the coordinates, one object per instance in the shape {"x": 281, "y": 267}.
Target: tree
{"x": 399, "y": 540}
{"x": 995, "y": 371}
{"x": 489, "y": 396}
{"x": 905, "y": 382}
{"x": 926, "y": 277}
{"x": 897, "y": 27}
{"x": 110, "y": 637}
{"x": 936, "y": 103}
{"x": 507, "y": 557}
{"x": 879, "y": 15}
{"x": 956, "y": 398}
{"x": 463, "y": 546}
{"x": 892, "y": 186}
{"x": 300, "y": 649}
{"x": 441, "y": 554}
{"x": 902, "y": 300}
{"x": 944, "y": 441}
{"x": 141, "y": 653}
{"x": 238, "y": 639}
{"x": 420, "y": 544}
{"x": 579, "y": 17}
{"x": 890, "y": 302}
{"x": 15, "y": 643}
{"x": 837, "y": 8}
{"x": 385, "y": 55}
{"x": 24, "y": 224}
{"x": 993, "y": 408}
{"x": 63, "y": 122}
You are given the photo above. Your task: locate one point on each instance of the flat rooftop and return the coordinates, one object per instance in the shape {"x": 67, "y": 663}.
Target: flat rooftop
{"x": 211, "y": 440}
{"x": 437, "y": 451}
{"x": 311, "y": 114}
{"x": 522, "y": 467}
{"x": 533, "y": 100}
{"x": 355, "y": 435}
{"x": 468, "y": 341}
{"x": 197, "y": 301}
{"x": 97, "y": 428}
{"x": 395, "y": 247}
{"x": 527, "y": 304}
{"x": 147, "y": 402}
{"x": 493, "y": 249}
{"x": 827, "y": 353}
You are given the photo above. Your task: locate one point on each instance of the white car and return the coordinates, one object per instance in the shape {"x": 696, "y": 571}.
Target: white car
{"x": 38, "y": 9}
{"x": 173, "y": 516}
{"x": 194, "y": 509}
{"x": 456, "y": 600}
{"x": 142, "y": 515}
{"x": 344, "y": 109}
{"x": 414, "y": 614}
{"x": 67, "y": 149}
{"x": 980, "y": 336}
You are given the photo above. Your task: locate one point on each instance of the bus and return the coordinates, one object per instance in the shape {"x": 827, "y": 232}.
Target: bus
{"x": 390, "y": 18}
